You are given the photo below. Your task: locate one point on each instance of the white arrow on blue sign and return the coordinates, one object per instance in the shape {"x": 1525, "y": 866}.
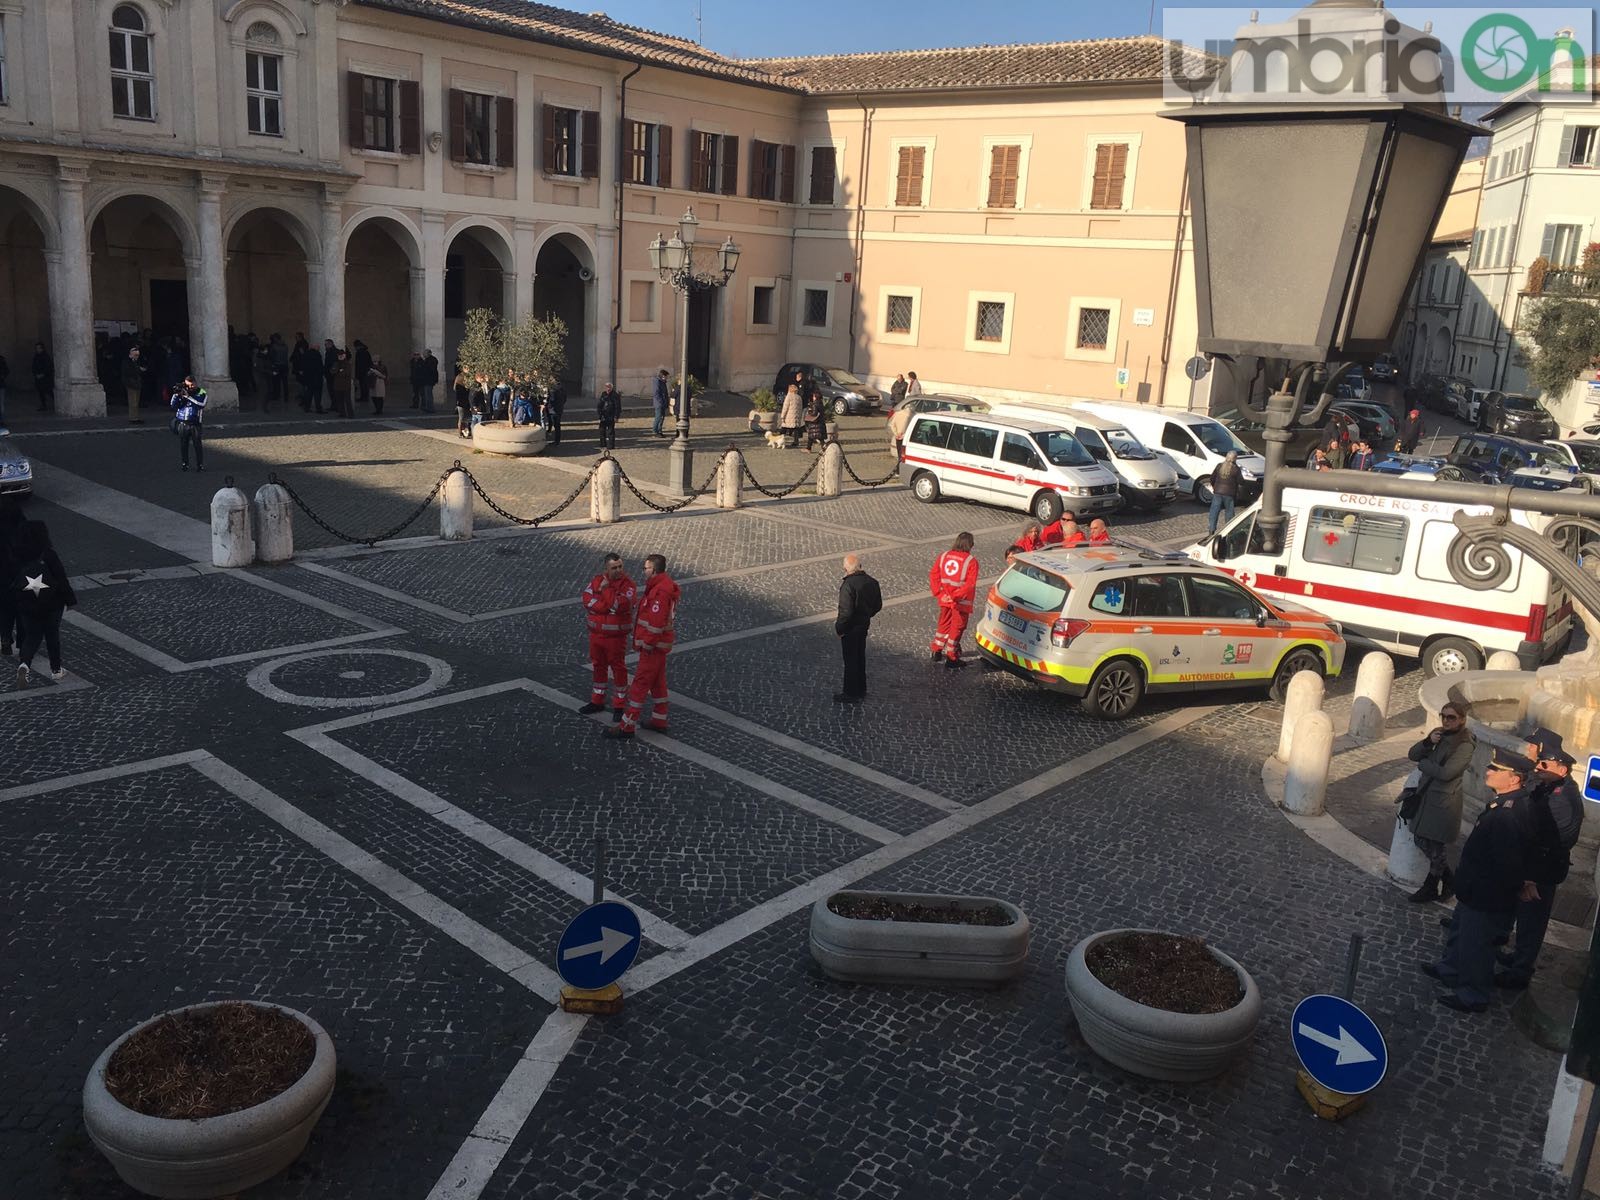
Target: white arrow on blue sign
{"x": 1591, "y": 780}
{"x": 599, "y": 945}
{"x": 1338, "y": 1045}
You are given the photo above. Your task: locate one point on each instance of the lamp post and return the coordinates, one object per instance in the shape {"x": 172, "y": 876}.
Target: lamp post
{"x": 1313, "y": 208}
{"x": 673, "y": 259}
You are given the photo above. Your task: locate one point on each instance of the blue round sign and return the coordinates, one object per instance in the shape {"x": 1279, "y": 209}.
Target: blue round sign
{"x": 1338, "y": 1045}
{"x": 599, "y": 945}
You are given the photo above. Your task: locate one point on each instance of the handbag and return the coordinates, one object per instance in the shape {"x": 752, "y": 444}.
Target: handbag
{"x": 1410, "y": 798}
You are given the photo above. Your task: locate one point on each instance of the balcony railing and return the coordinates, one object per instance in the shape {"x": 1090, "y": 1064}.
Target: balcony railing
{"x": 1565, "y": 281}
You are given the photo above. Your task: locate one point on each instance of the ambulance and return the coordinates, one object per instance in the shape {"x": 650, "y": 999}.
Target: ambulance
{"x": 1376, "y": 565}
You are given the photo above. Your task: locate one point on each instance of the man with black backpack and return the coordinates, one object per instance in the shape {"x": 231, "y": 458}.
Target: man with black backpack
{"x": 607, "y": 409}
{"x": 189, "y": 403}
{"x": 41, "y": 592}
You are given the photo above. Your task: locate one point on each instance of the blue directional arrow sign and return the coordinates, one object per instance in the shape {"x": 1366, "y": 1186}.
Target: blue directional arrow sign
{"x": 1591, "y": 780}
{"x": 599, "y": 945}
{"x": 1338, "y": 1045}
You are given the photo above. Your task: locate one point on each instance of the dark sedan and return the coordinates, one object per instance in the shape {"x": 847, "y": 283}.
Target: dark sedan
{"x": 1251, "y": 427}
{"x": 1495, "y": 458}
{"x": 1519, "y": 416}
{"x": 1373, "y": 421}
{"x": 16, "y": 472}
{"x": 841, "y": 391}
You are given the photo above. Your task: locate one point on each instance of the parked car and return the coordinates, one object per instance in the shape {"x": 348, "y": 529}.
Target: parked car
{"x": 1251, "y": 428}
{"x": 842, "y": 392}
{"x": 16, "y": 472}
{"x": 1110, "y": 624}
{"x": 1374, "y": 422}
{"x": 1146, "y": 480}
{"x": 941, "y": 403}
{"x": 1385, "y": 367}
{"x": 1495, "y": 458}
{"x": 1465, "y": 403}
{"x": 1583, "y": 454}
{"x": 1520, "y": 416}
{"x": 1194, "y": 443}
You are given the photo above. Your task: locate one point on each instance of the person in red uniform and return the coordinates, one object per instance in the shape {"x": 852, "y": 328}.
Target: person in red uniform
{"x": 608, "y": 605}
{"x": 1099, "y": 535}
{"x": 1063, "y": 531}
{"x": 954, "y": 583}
{"x": 1030, "y": 539}
{"x": 652, "y": 637}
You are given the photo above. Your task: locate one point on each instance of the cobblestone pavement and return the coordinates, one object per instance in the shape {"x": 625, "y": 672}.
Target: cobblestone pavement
{"x": 358, "y": 785}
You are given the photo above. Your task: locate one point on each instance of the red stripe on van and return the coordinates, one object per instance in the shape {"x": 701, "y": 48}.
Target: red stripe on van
{"x": 1294, "y": 589}
{"x": 928, "y": 462}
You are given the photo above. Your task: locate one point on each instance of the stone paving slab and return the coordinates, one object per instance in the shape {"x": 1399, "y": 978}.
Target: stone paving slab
{"x": 691, "y": 845}
{"x": 130, "y": 896}
{"x": 87, "y": 546}
{"x": 805, "y": 1087}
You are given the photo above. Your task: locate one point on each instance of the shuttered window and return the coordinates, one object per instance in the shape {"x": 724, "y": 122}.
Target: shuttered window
{"x": 483, "y": 129}
{"x": 771, "y": 172}
{"x": 649, "y": 150}
{"x": 1004, "y": 165}
{"x": 571, "y": 142}
{"x": 714, "y": 163}
{"x": 1578, "y": 146}
{"x": 1560, "y": 244}
{"x": 824, "y": 174}
{"x": 908, "y": 177}
{"x": 1110, "y": 175}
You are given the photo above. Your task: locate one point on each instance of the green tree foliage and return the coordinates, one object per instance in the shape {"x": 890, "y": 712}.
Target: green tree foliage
{"x": 1565, "y": 332}
{"x": 532, "y": 349}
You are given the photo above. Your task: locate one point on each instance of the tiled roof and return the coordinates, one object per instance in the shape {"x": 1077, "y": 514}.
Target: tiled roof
{"x": 1103, "y": 60}
{"x": 593, "y": 32}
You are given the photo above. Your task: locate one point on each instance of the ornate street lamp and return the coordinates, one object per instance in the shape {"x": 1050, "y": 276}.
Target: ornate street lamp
{"x": 673, "y": 259}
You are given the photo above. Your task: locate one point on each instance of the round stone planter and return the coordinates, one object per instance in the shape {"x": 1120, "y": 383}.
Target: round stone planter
{"x": 211, "y": 1156}
{"x": 862, "y": 951}
{"x": 1180, "y": 1047}
{"x": 501, "y": 437}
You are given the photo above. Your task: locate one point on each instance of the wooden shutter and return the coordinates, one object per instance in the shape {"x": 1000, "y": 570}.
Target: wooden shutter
{"x": 410, "y": 116}
{"x": 634, "y": 162}
{"x": 730, "y": 165}
{"x": 664, "y": 156}
{"x": 1110, "y": 175}
{"x": 355, "y": 114}
{"x": 699, "y": 174}
{"x": 823, "y": 174}
{"x": 908, "y": 181}
{"x": 1564, "y": 155}
{"x": 589, "y": 130}
{"x": 458, "y": 126}
{"x": 786, "y": 174}
{"x": 552, "y": 144}
{"x": 1547, "y": 246}
{"x": 505, "y": 131}
{"x": 1004, "y": 162}
{"x": 758, "y": 170}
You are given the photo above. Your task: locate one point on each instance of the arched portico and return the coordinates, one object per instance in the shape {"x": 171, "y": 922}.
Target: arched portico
{"x": 383, "y": 287}
{"x": 564, "y": 286}
{"x": 479, "y": 272}
{"x": 27, "y": 256}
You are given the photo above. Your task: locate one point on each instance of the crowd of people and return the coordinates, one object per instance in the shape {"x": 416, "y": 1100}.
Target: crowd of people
{"x": 35, "y": 592}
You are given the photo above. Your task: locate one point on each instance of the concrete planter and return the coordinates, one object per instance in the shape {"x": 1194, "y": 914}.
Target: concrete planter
{"x": 502, "y": 437}
{"x": 212, "y": 1156}
{"x": 1181, "y": 1047}
{"x": 862, "y": 951}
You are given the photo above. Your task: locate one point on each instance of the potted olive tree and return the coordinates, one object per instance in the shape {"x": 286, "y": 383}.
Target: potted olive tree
{"x": 763, "y": 411}
{"x": 209, "y": 1099}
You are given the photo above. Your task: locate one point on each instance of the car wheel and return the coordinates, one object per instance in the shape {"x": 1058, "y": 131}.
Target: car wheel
{"x": 1114, "y": 691}
{"x": 1449, "y": 475}
{"x": 841, "y": 407}
{"x": 925, "y": 487}
{"x": 1046, "y": 507}
{"x": 1293, "y": 663}
{"x": 1202, "y": 491}
{"x": 1451, "y": 656}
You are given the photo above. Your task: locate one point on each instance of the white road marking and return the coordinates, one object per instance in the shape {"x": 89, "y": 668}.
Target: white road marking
{"x": 316, "y": 602}
{"x": 388, "y": 593}
{"x": 137, "y": 518}
{"x": 83, "y": 778}
{"x": 39, "y": 690}
{"x": 176, "y": 666}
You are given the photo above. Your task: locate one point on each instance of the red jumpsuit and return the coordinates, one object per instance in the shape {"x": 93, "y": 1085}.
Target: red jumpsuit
{"x": 608, "y": 606}
{"x": 954, "y": 583}
{"x": 1055, "y": 534}
{"x": 653, "y": 635}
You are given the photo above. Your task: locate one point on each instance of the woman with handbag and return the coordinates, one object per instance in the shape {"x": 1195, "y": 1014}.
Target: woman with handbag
{"x": 1432, "y": 808}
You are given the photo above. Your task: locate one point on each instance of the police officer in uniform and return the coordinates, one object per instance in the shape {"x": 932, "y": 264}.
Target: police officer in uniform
{"x": 1489, "y": 884}
{"x": 1552, "y": 819}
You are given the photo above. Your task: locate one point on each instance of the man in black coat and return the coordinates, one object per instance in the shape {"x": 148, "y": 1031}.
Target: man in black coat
{"x": 860, "y": 600}
{"x": 1552, "y": 818}
{"x": 556, "y": 404}
{"x": 363, "y": 367}
{"x": 1489, "y": 884}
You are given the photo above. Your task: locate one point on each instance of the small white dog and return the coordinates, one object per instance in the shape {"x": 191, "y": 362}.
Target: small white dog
{"x": 774, "y": 440}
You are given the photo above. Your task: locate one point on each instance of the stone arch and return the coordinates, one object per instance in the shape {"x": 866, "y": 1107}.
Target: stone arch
{"x": 171, "y": 209}
{"x": 293, "y": 222}
{"x": 479, "y": 272}
{"x": 562, "y": 255}
{"x": 1439, "y": 353}
{"x": 27, "y": 242}
{"x": 498, "y": 243}
{"x": 570, "y": 232}
{"x": 394, "y": 223}
{"x": 383, "y": 289}
{"x": 272, "y": 263}
{"x": 243, "y": 12}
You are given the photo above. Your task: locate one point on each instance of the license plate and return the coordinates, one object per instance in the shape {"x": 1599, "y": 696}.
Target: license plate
{"x": 1012, "y": 621}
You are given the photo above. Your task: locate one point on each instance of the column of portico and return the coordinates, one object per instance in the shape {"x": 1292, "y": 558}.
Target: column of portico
{"x": 433, "y": 250}
{"x": 71, "y": 323}
{"x": 329, "y": 307}
{"x": 208, "y": 298}
{"x": 524, "y": 235}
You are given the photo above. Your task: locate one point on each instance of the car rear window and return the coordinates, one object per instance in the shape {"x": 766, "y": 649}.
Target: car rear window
{"x": 1588, "y": 457}
{"x": 971, "y": 439}
{"x": 1521, "y": 404}
{"x": 930, "y": 433}
{"x": 1034, "y": 588}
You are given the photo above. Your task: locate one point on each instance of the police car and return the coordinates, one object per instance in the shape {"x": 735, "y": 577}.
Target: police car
{"x": 1110, "y": 623}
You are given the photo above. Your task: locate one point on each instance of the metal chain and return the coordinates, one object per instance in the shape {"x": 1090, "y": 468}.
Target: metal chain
{"x": 779, "y": 494}
{"x": 676, "y": 504}
{"x": 530, "y": 521}
{"x": 894, "y": 473}
{"x": 353, "y": 538}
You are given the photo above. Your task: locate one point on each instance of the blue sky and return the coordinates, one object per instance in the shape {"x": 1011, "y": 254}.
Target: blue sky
{"x": 743, "y": 28}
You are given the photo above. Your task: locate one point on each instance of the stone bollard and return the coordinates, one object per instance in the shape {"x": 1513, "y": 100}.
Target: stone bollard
{"x": 605, "y": 493}
{"x": 730, "y": 480}
{"x": 455, "y": 507}
{"x": 1305, "y": 786}
{"x": 274, "y": 524}
{"x": 1304, "y": 696}
{"x": 1407, "y": 864}
{"x": 830, "y": 474}
{"x": 1374, "y": 681}
{"x": 231, "y": 544}
{"x": 1503, "y": 660}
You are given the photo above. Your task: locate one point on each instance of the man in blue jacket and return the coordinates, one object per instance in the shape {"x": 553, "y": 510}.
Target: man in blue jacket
{"x": 189, "y": 403}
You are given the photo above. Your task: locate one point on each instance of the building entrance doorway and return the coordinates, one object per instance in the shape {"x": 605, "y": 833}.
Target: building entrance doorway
{"x": 702, "y": 321}
{"x": 169, "y": 308}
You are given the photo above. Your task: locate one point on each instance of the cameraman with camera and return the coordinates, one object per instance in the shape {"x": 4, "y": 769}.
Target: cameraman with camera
{"x": 189, "y": 404}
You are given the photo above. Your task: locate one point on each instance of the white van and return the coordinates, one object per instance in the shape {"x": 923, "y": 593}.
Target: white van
{"x": 1146, "y": 479}
{"x": 1033, "y": 465}
{"x": 1193, "y": 441}
{"x": 1377, "y": 566}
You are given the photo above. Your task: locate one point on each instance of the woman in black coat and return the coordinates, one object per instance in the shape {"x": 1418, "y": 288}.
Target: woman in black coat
{"x": 42, "y": 593}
